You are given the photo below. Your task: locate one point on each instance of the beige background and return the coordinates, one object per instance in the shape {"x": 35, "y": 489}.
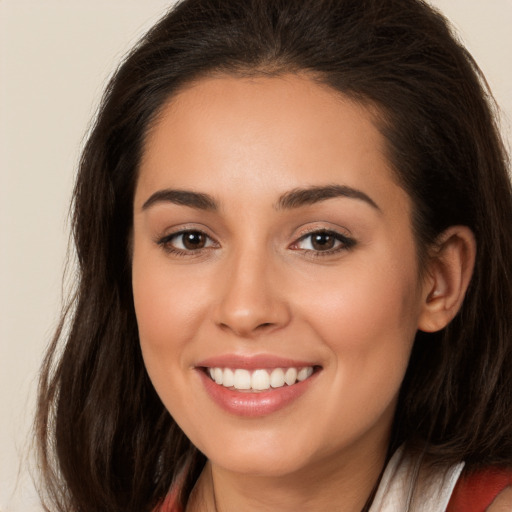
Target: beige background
{"x": 55, "y": 57}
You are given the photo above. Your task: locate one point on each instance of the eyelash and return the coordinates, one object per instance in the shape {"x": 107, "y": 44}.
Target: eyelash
{"x": 166, "y": 243}
{"x": 344, "y": 243}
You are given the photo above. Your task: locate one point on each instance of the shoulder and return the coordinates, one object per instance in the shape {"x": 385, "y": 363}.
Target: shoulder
{"x": 503, "y": 502}
{"x": 489, "y": 489}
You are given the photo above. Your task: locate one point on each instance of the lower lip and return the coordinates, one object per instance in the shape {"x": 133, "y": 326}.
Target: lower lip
{"x": 254, "y": 404}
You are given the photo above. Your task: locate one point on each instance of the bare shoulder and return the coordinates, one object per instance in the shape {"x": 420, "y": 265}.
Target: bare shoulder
{"x": 502, "y": 502}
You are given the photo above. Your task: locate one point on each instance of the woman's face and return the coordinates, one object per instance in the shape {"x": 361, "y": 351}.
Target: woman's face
{"x": 271, "y": 245}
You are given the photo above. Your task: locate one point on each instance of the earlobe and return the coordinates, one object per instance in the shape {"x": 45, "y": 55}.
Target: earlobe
{"x": 450, "y": 267}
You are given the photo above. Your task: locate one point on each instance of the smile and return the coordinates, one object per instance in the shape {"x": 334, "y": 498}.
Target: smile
{"x": 258, "y": 386}
{"x": 259, "y": 379}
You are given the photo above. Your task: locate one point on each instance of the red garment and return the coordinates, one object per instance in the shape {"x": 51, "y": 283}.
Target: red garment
{"x": 170, "y": 505}
{"x": 475, "y": 492}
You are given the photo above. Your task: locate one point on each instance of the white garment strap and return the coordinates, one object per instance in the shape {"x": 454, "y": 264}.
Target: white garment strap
{"x": 406, "y": 487}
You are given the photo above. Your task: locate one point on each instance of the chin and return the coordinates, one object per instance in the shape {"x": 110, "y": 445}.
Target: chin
{"x": 257, "y": 465}
{"x": 266, "y": 457}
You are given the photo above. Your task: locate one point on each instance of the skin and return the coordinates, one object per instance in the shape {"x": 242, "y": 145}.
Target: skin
{"x": 503, "y": 502}
{"x": 258, "y": 286}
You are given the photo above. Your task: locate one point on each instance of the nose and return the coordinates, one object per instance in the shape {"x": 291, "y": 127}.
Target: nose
{"x": 252, "y": 299}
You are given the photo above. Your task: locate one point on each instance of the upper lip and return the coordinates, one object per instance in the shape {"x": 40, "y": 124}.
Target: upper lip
{"x": 252, "y": 362}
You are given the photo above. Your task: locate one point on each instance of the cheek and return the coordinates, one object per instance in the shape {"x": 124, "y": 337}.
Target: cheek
{"x": 165, "y": 296}
{"x": 171, "y": 308}
{"x": 166, "y": 324}
{"x": 364, "y": 303}
{"x": 367, "y": 316}
{"x": 160, "y": 309}
{"x": 154, "y": 306}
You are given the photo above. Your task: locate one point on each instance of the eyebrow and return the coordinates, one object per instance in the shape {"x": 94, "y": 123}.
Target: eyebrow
{"x": 305, "y": 196}
{"x": 293, "y": 199}
{"x": 182, "y": 197}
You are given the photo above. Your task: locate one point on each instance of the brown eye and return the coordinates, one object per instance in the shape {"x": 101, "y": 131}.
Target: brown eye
{"x": 322, "y": 241}
{"x": 186, "y": 242}
{"x": 193, "y": 240}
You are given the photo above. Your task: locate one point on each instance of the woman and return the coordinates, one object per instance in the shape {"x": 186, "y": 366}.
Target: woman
{"x": 292, "y": 222}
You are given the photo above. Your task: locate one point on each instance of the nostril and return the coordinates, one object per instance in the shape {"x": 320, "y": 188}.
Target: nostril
{"x": 244, "y": 330}
{"x": 266, "y": 326}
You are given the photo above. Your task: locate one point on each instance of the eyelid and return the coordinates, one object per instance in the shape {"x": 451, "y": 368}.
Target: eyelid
{"x": 345, "y": 241}
{"x": 177, "y": 229}
{"x": 164, "y": 241}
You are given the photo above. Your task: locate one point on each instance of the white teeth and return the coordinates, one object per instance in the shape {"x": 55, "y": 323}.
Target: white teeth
{"x": 217, "y": 375}
{"x": 277, "y": 378}
{"x": 242, "y": 379}
{"x": 259, "y": 380}
{"x": 290, "y": 376}
{"x": 304, "y": 373}
{"x": 228, "y": 378}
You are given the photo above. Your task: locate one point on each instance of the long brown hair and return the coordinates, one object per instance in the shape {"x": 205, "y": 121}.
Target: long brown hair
{"x": 106, "y": 441}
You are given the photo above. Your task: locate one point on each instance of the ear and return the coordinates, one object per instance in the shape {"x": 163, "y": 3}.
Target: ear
{"x": 449, "y": 270}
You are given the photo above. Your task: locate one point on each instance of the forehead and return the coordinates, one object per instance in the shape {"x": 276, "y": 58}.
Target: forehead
{"x": 263, "y": 133}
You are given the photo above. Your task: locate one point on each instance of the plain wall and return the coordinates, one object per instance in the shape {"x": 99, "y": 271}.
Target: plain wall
{"x": 55, "y": 57}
